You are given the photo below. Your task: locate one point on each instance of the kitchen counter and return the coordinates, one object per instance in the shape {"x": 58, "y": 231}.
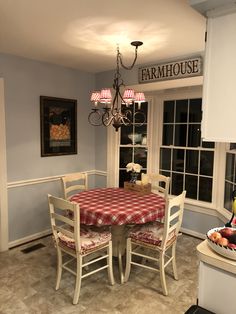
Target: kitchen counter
{"x": 207, "y": 255}
{"x": 217, "y": 281}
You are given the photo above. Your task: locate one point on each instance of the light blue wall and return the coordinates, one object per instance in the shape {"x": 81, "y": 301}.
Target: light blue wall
{"x": 25, "y": 80}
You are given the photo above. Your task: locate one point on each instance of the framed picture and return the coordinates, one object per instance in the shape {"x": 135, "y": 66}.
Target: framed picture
{"x": 58, "y": 118}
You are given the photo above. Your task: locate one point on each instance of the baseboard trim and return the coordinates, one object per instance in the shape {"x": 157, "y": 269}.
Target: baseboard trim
{"x": 193, "y": 233}
{"x": 29, "y": 238}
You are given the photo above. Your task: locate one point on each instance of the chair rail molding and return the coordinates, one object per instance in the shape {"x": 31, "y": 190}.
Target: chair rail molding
{"x": 16, "y": 184}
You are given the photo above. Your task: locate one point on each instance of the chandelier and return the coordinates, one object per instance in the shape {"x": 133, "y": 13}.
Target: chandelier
{"x": 117, "y": 112}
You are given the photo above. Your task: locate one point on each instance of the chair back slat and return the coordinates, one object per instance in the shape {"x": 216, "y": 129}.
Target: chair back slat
{"x": 173, "y": 220}
{"x": 156, "y": 181}
{"x": 74, "y": 182}
{"x": 64, "y": 231}
{"x": 65, "y": 218}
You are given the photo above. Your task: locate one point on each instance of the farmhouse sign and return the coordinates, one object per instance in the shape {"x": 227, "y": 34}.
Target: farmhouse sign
{"x": 171, "y": 70}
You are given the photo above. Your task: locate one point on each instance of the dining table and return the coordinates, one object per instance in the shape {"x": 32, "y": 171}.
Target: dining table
{"x": 118, "y": 208}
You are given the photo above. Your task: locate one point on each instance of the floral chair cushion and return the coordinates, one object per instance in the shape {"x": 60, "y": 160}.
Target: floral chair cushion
{"x": 90, "y": 238}
{"x": 150, "y": 233}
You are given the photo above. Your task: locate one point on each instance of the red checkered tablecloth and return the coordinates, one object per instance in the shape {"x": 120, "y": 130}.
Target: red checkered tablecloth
{"x": 116, "y": 206}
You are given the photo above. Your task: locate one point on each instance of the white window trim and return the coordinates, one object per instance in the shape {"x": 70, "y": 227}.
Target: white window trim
{"x": 156, "y": 99}
{"x": 3, "y": 177}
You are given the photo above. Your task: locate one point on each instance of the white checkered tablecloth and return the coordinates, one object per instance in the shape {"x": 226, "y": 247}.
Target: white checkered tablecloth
{"x": 116, "y": 206}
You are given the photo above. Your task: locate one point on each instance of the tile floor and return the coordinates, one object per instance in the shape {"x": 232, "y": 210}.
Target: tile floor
{"x": 27, "y": 285}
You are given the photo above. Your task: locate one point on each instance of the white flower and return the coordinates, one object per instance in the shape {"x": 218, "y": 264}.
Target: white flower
{"x": 133, "y": 167}
{"x": 137, "y": 168}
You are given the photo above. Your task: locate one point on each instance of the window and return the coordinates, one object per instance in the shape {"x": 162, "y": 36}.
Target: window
{"x": 230, "y": 176}
{"x": 170, "y": 143}
{"x": 133, "y": 144}
{"x": 183, "y": 155}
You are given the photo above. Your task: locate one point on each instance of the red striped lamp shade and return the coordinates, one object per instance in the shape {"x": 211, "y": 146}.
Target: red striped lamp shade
{"x": 105, "y": 97}
{"x": 95, "y": 97}
{"x": 139, "y": 98}
{"x": 128, "y": 96}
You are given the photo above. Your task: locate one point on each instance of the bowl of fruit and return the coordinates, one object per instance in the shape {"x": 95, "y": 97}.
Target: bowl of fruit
{"x": 223, "y": 241}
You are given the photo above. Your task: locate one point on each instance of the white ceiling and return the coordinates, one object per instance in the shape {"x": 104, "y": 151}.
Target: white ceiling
{"x": 83, "y": 34}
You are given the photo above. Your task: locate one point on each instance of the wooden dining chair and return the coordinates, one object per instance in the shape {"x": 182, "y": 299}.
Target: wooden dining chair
{"x": 159, "y": 238}
{"x": 78, "y": 242}
{"x": 160, "y": 183}
{"x": 73, "y": 183}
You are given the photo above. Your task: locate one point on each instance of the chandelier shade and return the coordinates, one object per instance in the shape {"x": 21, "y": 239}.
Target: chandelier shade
{"x": 117, "y": 111}
{"x": 128, "y": 96}
{"x": 105, "y": 96}
{"x": 95, "y": 97}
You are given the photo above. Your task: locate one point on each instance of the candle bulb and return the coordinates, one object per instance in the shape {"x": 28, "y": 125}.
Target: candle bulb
{"x": 144, "y": 179}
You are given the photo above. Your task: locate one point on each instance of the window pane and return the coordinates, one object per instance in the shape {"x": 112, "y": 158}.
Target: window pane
{"x": 129, "y": 111}
{"x": 126, "y": 135}
{"x": 124, "y": 176}
{"x": 168, "y": 114}
{"x": 140, "y": 134}
{"x": 140, "y": 156}
{"x": 232, "y": 146}
{"x": 181, "y": 111}
{"x": 208, "y": 144}
{"x": 177, "y": 183}
{"x": 228, "y": 194}
{"x": 205, "y": 189}
{"x": 206, "y": 163}
{"x": 229, "y": 172}
{"x": 194, "y": 135}
{"x": 143, "y": 108}
{"x": 167, "y": 137}
{"x": 180, "y": 134}
{"x": 126, "y": 154}
{"x": 165, "y": 158}
{"x": 178, "y": 160}
{"x": 195, "y": 110}
{"x": 165, "y": 173}
{"x": 191, "y": 163}
{"x": 191, "y": 186}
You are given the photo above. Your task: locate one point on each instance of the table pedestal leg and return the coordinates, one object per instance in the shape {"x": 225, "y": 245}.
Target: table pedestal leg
{"x": 119, "y": 245}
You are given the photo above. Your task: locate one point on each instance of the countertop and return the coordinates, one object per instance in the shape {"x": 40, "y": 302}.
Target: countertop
{"x": 207, "y": 255}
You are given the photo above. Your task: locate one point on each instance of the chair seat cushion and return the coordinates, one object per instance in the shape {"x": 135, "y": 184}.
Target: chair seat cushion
{"x": 90, "y": 238}
{"x": 150, "y": 233}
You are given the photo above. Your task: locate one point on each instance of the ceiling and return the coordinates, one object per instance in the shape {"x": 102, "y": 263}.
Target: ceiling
{"x": 84, "y": 34}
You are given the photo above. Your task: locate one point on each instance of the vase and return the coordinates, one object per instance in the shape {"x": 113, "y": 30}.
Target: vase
{"x": 134, "y": 177}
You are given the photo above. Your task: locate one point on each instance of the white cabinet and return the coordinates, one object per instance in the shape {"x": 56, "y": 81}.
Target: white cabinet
{"x": 217, "y": 281}
{"x": 219, "y": 82}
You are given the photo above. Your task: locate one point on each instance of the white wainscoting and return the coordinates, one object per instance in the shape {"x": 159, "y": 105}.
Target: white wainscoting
{"x": 189, "y": 207}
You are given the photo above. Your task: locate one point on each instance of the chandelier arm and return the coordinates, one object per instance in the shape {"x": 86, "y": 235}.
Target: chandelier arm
{"x": 141, "y": 116}
{"x": 132, "y": 65}
{"x": 107, "y": 119}
{"x": 122, "y": 99}
{"x": 114, "y": 107}
{"x": 95, "y": 118}
{"x": 125, "y": 120}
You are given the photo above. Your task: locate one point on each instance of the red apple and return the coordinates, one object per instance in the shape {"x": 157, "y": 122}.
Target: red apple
{"x": 232, "y": 246}
{"x": 226, "y": 232}
{"x": 223, "y": 241}
{"x": 215, "y": 236}
{"x": 232, "y": 238}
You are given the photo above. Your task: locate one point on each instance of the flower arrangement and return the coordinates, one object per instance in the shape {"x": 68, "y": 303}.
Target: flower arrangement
{"x": 135, "y": 169}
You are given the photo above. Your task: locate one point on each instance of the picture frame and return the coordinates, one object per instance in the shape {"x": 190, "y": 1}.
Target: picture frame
{"x": 58, "y": 126}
